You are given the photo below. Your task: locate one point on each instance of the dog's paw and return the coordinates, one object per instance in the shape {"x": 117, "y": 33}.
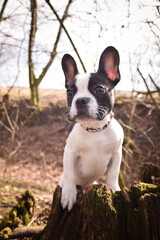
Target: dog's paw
{"x": 116, "y": 188}
{"x": 69, "y": 196}
{"x": 113, "y": 185}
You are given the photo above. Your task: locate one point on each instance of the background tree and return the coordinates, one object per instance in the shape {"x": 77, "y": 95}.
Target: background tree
{"x": 34, "y": 82}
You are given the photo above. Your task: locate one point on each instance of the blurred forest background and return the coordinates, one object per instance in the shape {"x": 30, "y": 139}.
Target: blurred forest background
{"x": 34, "y": 35}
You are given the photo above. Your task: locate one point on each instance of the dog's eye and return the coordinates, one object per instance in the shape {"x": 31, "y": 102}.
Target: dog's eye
{"x": 100, "y": 90}
{"x": 69, "y": 93}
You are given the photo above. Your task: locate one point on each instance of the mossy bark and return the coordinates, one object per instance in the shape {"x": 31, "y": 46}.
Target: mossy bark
{"x": 20, "y": 214}
{"x": 101, "y": 214}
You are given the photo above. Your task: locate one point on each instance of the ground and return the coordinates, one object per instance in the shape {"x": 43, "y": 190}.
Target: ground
{"x": 34, "y": 156}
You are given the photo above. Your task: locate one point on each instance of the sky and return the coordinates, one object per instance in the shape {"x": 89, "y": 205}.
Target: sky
{"x": 93, "y": 25}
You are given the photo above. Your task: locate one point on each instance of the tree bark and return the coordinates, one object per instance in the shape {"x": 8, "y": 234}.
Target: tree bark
{"x": 30, "y": 50}
{"x": 132, "y": 214}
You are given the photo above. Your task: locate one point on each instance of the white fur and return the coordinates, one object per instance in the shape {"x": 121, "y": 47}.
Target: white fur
{"x": 87, "y": 156}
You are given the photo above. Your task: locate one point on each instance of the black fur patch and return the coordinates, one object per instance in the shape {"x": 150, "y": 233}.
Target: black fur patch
{"x": 104, "y": 99}
{"x": 71, "y": 91}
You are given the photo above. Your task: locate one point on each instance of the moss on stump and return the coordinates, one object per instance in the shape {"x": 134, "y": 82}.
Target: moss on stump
{"x": 101, "y": 214}
{"x": 19, "y": 215}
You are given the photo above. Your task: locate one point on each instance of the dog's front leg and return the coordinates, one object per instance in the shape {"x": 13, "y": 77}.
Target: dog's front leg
{"x": 68, "y": 184}
{"x": 112, "y": 174}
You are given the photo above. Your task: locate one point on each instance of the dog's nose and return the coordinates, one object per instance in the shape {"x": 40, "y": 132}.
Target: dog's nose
{"x": 81, "y": 102}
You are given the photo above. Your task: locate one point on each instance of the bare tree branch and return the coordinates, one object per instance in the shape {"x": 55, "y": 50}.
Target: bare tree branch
{"x": 158, "y": 9}
{"x": 8, "y": 118}
{"x": 22, "y": 232}
{"x": 53, "y": 53}
{"x": 144, "y": 93}
{"x": 156, "y": 86}
{"x": 150, "y": 24}
{"x": 18, "y": 59}
{"x": 149, "y": 92}
{"x": 68, "y": 35}
{"x": 12, "y": 130}
{"x": 2, "y": 9}
{"x": 34, "y": 82}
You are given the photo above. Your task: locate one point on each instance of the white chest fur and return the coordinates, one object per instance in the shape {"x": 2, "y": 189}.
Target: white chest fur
{"x": 92, "y": 152}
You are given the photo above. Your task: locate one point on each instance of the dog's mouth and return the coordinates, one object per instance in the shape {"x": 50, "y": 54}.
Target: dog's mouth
{"x": 85, "y": 115}
{"x": 80, "y": 115}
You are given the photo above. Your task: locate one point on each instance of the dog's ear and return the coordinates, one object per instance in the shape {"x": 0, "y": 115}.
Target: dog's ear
{"x": 69, "y": 67}
{"x": 109, "y": 65}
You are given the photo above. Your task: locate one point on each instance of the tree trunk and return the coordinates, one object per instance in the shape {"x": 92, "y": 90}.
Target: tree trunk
{"x": 132, "y": 214}
{"x": 32, "y": 79}
{"x": 34, "y": 94}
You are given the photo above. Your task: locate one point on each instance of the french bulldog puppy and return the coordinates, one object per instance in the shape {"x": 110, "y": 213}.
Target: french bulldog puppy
{"x": 94, "y": 144}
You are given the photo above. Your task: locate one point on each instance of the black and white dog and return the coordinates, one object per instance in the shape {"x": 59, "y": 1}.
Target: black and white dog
{"x": 94, "y": 145}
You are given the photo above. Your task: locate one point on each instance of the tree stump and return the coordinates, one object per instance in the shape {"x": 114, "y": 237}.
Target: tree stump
{"x": 130, "y": 214}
